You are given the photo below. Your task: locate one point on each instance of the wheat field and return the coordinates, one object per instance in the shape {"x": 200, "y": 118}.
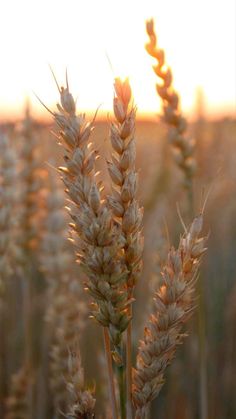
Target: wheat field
{"x": 117, "y": 260}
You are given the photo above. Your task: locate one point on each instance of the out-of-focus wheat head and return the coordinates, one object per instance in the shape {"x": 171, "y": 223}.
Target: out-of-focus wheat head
{"x": 8, "y": 176}
{"x": 81, "y": 401}
{"x": 17, "y": 403}
{"x": 65, "y": 308}
{"x": 174, "y": 303}
{"x": 31, "y": 182}
{"x": 27, "y": 238}
{"x": 183, "y": 146}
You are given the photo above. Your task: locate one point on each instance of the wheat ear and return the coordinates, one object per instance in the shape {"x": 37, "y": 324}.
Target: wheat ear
{"x": 123, "y": 201}
{"x": 28, "y": 236}
{"x": 31, "y": 183}
{"x": 65, "y": 308}
{"x": 17, "y": 403}
{"x": 183, "y": 146}
{"x": 82, "y": 402}
{"x": 99, "y": 242}
{"x": 8, "y": 176}
{"x": 174, "y": 303}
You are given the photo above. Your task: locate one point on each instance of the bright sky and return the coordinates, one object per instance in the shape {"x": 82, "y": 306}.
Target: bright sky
{"x": 198, "y": 36}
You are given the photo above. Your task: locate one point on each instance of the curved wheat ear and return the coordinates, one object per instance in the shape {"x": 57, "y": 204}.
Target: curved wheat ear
{"x": 65, "y": 309}
{"x": 183, "y": 146}
{"x": 174, "y": 304}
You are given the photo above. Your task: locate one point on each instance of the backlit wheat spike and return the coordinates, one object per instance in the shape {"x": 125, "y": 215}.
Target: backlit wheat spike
{"x": 123, "y": 199}
{"x": 174, "y": 303}
{"x": 183, "y": 146}
{"x": 98, "y": 241}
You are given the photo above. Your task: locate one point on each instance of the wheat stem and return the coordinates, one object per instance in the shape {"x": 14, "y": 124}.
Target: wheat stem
{"x": 203, "y": 405}
{"x": 121, "y": 371}
{"x": 107, "y": 347}
{"x": 129, "y": 367}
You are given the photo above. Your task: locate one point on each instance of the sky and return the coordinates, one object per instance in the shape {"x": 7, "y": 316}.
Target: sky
{"x": 97, "y": 40}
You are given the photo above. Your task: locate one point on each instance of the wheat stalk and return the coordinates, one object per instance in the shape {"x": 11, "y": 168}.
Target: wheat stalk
{"x": 174, "y": 304}
{"x": 8, "y": 217}
{"x": 124, "y": 204}
{"x": 99, "y": 242}
{"x": 31, "y": 178}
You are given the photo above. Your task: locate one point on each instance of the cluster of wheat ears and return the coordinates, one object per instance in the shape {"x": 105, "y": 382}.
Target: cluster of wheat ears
{"x": 108, "y": 241}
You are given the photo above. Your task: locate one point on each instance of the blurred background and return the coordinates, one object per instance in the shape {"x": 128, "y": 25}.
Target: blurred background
{"x": 97, "y": 41}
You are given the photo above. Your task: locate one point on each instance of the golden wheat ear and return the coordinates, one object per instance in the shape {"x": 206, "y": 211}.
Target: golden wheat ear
{"x": 175, "y": 301}
{"x": 123, "y": 201}
{"x": 183, "y": 146}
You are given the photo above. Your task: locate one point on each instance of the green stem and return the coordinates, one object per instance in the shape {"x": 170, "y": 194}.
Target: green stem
{"x": 121, "y": 371}
{"x": 190, "y": 199}
{"x": 202, "y": 352}
{"x": 201, "y": 328}
{"x": 129, "y": 366}
{"x": 110, "y": 373}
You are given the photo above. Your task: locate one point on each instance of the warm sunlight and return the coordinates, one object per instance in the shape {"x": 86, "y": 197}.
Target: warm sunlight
{"x": 96, "y": 40}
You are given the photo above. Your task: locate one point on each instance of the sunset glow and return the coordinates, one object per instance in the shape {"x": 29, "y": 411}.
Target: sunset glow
{"x": 97, "y": 40}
